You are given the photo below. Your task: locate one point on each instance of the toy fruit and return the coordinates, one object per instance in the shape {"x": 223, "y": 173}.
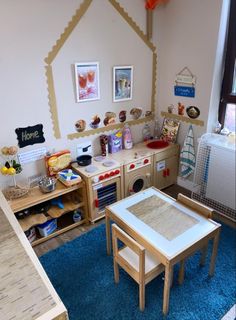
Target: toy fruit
{"x": 12, "y": 165}
{"x": 12, "y": 150}
{"x": 4, "y": 151}
{"x": 11, "y": 171}
{"x": 4, "y": 170}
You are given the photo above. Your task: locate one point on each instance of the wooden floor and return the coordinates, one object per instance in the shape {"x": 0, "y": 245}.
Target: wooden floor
{"x": 74, "y": 233}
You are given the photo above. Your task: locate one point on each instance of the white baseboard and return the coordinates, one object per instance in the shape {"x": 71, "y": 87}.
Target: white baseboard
{"x": 185, "y": 183}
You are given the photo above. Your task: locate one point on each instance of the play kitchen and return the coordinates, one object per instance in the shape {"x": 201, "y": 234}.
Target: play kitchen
{"x": 118, "y": 173}
{"x": 103, "y": 184}
{"x": 77, "y": 191}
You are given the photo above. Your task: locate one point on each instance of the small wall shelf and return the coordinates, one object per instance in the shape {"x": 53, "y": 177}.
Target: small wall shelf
{"x": 182, "y": 118}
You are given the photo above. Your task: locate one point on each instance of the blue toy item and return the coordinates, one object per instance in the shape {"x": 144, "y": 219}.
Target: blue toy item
{"x": 57, "y": 202}
{"x": 68, "y": 177}
{"x": 77, "y": 215}
{"x": 47, "y": 228}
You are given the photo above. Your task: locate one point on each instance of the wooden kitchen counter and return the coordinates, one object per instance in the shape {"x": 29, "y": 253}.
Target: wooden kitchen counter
{"x": 25, "y": 290}
{"x": 139, "y": 150}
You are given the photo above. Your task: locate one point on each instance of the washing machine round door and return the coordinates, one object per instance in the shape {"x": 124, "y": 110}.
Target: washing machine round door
{"x": 137, "y": 184}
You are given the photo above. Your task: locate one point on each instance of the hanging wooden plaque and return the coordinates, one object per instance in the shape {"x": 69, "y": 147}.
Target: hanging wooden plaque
{"x": 30, "y": 135}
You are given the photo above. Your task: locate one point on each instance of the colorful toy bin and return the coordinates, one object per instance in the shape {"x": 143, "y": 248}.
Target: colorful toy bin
{"x": 45, "y": 229}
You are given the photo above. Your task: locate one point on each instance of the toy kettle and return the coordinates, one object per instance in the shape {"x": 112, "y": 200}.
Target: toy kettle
{"x": 127, "y": 137}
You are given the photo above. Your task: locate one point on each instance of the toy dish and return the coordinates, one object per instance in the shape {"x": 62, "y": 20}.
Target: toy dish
{"x": 83, "y": 160}
{"x": 157, "y": 144}
{"x": 99, "y": 158}
{"x": 108, "y": 163}
{"x": 90, "y": 169}
{"x": 95, "y": 122}
{"x": 193, "y": 112}
{"x": 80, "y": 125}
{"x": 47, "y": 184}
{"x": 136, "y": 113}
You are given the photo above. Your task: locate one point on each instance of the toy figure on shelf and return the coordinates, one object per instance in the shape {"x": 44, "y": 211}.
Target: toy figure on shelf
{"x": 180, "y": 109}
{"x": 171, "y": 108}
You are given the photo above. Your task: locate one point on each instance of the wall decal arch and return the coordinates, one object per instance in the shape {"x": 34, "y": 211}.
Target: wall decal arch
{"x": 52, "y": 76}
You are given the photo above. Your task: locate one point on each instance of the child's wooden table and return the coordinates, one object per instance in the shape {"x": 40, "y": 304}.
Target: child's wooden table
{"x": 169, "y": 229}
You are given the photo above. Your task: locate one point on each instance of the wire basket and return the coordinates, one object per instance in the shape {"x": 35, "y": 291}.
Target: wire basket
{"x": 15, "y": 192}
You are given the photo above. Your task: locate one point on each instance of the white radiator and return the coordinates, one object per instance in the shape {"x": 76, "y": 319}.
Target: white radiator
{"x": 215, "y": 174}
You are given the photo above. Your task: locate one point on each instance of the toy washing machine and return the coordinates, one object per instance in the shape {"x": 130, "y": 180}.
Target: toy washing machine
{"x": 138, "y": 175}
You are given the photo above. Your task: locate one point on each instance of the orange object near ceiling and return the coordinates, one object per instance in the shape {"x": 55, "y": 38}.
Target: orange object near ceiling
{"x": 151, "y": 4}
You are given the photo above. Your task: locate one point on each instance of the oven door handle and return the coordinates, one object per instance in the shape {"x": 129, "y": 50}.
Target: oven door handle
{"x": 96, "y": 203}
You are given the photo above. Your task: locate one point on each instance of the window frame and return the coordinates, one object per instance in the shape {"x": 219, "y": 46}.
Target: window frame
{"x": 227, "y": 96}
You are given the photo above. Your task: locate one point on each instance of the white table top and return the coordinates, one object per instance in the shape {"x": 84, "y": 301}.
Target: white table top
{"x": 169, "y": 248}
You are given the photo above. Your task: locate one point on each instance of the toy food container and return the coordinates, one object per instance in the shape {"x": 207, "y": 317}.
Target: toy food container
{"x": 45, "y": 229}
{"x": 57, "y": 162}
{"x": 115, "y": 142}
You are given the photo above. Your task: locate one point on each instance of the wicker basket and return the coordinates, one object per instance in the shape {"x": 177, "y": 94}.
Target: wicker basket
{"x": 15, "y": 192}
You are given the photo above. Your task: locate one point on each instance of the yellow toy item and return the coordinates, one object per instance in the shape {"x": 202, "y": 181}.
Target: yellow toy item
{"x": 11, "y": 171}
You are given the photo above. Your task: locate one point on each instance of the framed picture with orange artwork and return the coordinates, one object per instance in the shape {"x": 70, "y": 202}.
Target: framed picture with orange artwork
{"x": 87, "y": 81}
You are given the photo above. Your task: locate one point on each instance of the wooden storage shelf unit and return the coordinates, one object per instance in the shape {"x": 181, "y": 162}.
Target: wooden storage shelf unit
{"x": 35, "y": 196}
{"x": 32, "y": 221}
{"x": 73, "y": 197}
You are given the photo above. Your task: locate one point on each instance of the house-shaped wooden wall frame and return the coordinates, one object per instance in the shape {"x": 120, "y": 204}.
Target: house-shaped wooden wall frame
{"x": 57, "y": 47}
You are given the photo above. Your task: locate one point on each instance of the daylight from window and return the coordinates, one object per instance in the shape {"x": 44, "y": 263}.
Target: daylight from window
{"x": 234, "y": 80}
{"x": 230, "y": 108}
{"x": 230, "y": 117}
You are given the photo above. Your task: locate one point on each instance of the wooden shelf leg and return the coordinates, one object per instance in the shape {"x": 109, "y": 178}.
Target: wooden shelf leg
{"x": 203, "y": 255}
{"x": 214, "y": 252}
{"x": 108, "y": 233}
{"x": 181, "y": 272}
{"x": 167, "y": 284}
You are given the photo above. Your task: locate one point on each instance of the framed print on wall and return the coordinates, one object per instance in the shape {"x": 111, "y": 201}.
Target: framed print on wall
{"x": 87, "y": 81}
{"x": 122, "y": 83}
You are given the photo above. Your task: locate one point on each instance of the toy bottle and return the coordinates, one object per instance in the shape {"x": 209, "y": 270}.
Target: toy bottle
{"x": 127, "y": 137}
{"x": 146, "y": 132}
{"x": 156, "y": 130}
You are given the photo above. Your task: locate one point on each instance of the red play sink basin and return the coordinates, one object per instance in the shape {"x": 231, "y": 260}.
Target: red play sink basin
{"x": 157, "y": 144}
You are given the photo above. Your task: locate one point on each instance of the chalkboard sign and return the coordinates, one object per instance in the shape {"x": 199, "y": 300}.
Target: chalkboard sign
{"x": 30, "y": 135}
{"x": 185, "y": 91}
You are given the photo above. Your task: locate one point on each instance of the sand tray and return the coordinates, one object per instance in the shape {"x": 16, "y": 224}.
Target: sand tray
{"x": 162, "y": 217}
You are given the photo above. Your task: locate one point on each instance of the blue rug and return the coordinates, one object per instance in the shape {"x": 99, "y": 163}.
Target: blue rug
{"x": 82, "y": 275}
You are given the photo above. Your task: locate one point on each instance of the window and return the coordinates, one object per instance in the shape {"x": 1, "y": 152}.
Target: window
{"x": 227, "y": 108}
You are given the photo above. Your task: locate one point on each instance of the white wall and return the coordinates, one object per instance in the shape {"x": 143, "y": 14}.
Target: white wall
{"x": 29, "y": 30}
{"x": 185, "y": 33}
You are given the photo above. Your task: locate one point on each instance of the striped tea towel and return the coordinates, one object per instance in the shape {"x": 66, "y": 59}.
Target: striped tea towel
{"x": 187, "y": 155}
